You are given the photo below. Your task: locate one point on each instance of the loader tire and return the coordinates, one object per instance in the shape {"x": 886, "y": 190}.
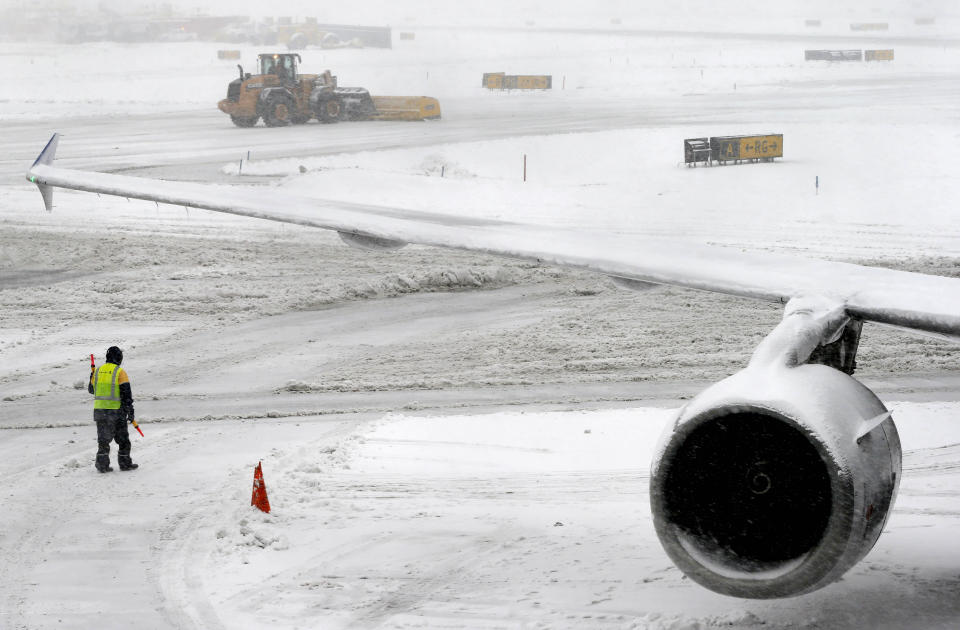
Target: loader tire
{"x": 329, "y": 111}
{"x": 244, "y": 121}
{"x": 278, "y": 111}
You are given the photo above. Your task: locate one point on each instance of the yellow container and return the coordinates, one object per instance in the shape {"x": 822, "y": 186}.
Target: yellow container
{"x": 878, "y": 55}
{"x": 493, "y": 80}
{"x": 501, "y": 81}
{"x": 530, "y": 82}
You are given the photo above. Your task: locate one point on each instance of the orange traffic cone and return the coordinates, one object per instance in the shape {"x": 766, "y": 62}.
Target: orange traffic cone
{"x": 259, "y": 497}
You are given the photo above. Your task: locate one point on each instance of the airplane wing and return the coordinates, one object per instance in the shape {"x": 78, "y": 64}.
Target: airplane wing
{"x": 914, "y": 301}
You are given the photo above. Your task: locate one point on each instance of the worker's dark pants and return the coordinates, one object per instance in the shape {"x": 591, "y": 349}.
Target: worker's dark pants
{"x": 112, "y": 425}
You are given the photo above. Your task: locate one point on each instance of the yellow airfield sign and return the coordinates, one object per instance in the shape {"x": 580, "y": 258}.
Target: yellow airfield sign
{"x": 755, "y": 147}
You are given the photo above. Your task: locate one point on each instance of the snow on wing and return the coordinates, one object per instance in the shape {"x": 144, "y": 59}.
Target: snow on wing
{"x": 910, "y": 300}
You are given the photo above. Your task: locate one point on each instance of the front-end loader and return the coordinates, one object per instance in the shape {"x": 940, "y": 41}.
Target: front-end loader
{"x": 281, "y": 96}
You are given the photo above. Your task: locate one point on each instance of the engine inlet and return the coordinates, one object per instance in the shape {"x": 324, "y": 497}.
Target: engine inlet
{"x": 749, "y": 489}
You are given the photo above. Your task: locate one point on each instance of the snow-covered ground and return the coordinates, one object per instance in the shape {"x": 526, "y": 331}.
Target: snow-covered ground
{"x": 516, "y": 519}
{"x": 449, "y": 441}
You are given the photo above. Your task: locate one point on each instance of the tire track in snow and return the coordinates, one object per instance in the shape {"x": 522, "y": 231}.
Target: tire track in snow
{"x": 184, "y": 544}
{"x": 410, "y": 595}
{"x": 179, "y": 577}
{"x": 428, "y": 572}
{"x": 43, "y": 510}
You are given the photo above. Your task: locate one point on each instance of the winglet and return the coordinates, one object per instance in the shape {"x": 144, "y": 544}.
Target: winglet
{"x": 49, "y": 152}
{"x": 45, "y": 159}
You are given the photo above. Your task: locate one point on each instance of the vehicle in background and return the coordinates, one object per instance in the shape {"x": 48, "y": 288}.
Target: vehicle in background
{"x": 281, "y": 95}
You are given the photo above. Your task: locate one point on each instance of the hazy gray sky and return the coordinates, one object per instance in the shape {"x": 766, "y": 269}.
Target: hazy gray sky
{"x": 432, "y": 10}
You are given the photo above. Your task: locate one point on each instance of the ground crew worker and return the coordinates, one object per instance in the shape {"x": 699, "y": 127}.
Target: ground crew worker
{"x": 112, "y": 410}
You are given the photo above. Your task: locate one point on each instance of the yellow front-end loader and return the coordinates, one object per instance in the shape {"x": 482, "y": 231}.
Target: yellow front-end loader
{"x": 281, "y": 96}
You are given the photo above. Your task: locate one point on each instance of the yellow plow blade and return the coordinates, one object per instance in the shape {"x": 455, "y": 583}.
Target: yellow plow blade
{"x": 406, "y": 108}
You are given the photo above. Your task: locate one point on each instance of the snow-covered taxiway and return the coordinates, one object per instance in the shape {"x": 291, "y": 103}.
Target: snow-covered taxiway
{"x": 449, "y": 441}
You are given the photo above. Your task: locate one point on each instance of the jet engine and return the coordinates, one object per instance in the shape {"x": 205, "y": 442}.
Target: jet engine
{"x": 775, "y": 481}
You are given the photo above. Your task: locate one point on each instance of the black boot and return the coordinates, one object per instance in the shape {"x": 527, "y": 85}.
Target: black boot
{"x": 103, "y": 462}
{"x": 126, "y": 463}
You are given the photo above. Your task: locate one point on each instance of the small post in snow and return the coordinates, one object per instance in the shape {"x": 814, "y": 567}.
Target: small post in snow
{"x": 816, "y": 184}
{"x": 442, "y": 168}
{"x": 240, "y": 172}
{"x": 524, "y": 167}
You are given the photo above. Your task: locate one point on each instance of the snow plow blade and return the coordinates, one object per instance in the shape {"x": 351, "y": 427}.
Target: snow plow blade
{"x": 406, "y": 108}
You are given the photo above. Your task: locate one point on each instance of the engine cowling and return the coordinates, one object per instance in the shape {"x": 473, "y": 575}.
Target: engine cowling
{"x": 775, "y": 481}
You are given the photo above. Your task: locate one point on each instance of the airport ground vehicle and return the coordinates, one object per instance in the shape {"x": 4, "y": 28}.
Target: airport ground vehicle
{"x": 281, "y": 96}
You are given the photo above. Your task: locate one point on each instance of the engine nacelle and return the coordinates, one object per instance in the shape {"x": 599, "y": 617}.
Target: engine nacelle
{"x": 775, "y": 482}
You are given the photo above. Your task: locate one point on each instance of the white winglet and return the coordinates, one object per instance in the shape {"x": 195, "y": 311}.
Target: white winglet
{"x": 45, "y": 159}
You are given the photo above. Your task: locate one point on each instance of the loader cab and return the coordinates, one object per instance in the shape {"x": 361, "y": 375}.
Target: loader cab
{"x": 282, "y": 65}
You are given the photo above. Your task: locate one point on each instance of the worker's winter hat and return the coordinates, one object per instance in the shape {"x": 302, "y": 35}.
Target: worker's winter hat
{"x": 114, "y": 355}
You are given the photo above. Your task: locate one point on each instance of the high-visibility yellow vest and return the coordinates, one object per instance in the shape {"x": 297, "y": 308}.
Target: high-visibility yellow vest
{"x": 106, "y": 392}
